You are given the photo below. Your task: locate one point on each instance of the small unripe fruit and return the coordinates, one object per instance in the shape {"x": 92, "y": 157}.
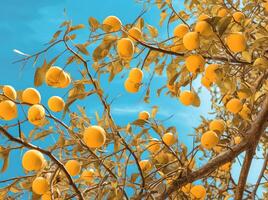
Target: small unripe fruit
{"x": 191, "y": 41}
{"x": 209, "y": 140}
{"x": 180, "y": 30}
{"x": 88, "y": 175}
{"x": 195, "y": 63}
{"x": 33, "y": 160}
{"x": 40, "y": 185}
{"x": 154, "y": 145}
{"x": 187, "y": 97}
{"x": 135, "y": 75}
{"x": 217, "y": 125}
{"x": 234, "y": 105}
{"x": 134, "y": 34}
{"x": 36, "y": 114}
{"x": 73, "y": 167}
{"x": 10, "y": 92}
{"x": 144, "y": 115}
{"x": 125, "y": 48}
{"x": 169, "y": 139}
{"x": 198, "y": 192}
{"x": 94, "y": 136}
{"x": 113, "y": 22}
{"x": 145, "y": 165}
{"x": 8, "y": 110}
{"x": 131, "y": 86}
{"x": 236, "y": 42}
{"x": 31, "y": 96}
{"x": 56, "y": 103}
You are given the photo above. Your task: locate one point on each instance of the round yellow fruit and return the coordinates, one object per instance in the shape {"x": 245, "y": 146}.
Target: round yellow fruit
{"x": 206, "y": 82}
{"x": 234, "y": 105}
{"x": 56, "y": 77}
{"x": 237, "y": 139}
{"x": 217, "y": 125}
{"x": 113, "y": 22}
{"x": 135, "y": 75}
{"x": 209, "y": 140}
{"x": 135, "y": 34}
{"x": 222, "y": 12}
{"x": 131, "y": 86}
{"x": 88, "y": 175}
{"x": 198, "y": 192}
{"x": 195, "y": 63}
{"x": 203, "y": 17}
{"x": 8, "y": 110}
{"x": 31, "y": 96}
{"x": 245, "y": 112}
{"x": 144, "y": 115}
{"x": 125, "y": 48}
{"x": 36, "y": 114}
{"x": 238, "y": 16}
{"x": 94, "y": 136}
{"x": 203, "y": 28}
{"x": 180, "y": 30}
{"x": 40, "y": 185}
{"x": 226, "y": 166}
{"x": 191, "y": 41}
{"x": 169, "y": 139}
{"x": 242, "y": 95}
{"x": 210, "y": 72}
{"x": 10, "y": 92}
{"x": 33, "y": 160}
{"x": 56, "y": 103}
{"x": 154, "y": 145}
{"x": 73, "y": 167}
{"x": 236, "y": 42}
{"x": 187, "y": 97}
{"x": 145, "y": 165}
{"x": 46, "y": 196}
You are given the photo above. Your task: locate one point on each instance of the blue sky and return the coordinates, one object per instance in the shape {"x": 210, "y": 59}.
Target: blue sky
{"x": 28, "y": 25}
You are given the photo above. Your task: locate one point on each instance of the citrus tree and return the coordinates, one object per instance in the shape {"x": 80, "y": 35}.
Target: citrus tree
{"x": 215, "y": 45}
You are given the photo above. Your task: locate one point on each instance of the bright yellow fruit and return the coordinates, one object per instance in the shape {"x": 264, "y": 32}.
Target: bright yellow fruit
{"x": 187, "y": 188}
{"x": 31, "y": 96}
{"x": 94, "y": 136}
{"x": 145, "y": 165}
{"x": 237, "y": 139}
{"x": 195, "y": 63}
{"x": 33, "y": 160}
{"x": 191, "y": 41}
{"x": 144, "y": 115}
{"x": 225, "y": 167}
{"x": 203, "y": 17}
{"x": 222, "y": 12}
{"x": 198, "y": 192}
{"x": 113, "y": 22}
{"x": 242, "y": 95}
{"x": 10, "y": 92}
{"x": 125, "y": 48}
{"x": 40, "y": 185}
{"x": 36, "y": 114}
{"x": 245, "y": 112}
{"x": 209, "y": 140}
{"x": 203, "y": 28}
{"x": 238, "y": 16}
{"x": 46, "y": 196}
{"x": 73, "y": 167}
{"x": 56, "y": 77}
{"x": 187, "y": 97}
{"x": 154, "y": 145}
{"x": 169, "y": 139}
{"x": 8, "y": 110}
{"x": 210, "y": 72}
{"x": 236, "y": 42}
{"x": 135, "y": 75}
{"x": 234, "y": 105}
{"x": 217, "y": 125}
{"x": 134, "y": 34}
{"x": 131, "y": 86}
{"x": 56, "y": 103}
{"x": 261, "y": 63}
{"x": 88, "y": 175}
{"x": 206, "y": 82}
{"x": 180, "y": 30}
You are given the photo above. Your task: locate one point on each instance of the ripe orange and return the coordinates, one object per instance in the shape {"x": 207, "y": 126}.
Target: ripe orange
{"x": 73, "y": 167}
{"x": 205, "y": 82}
{"x": 238, "y": 16}
{"x": 36, "y": 114}
{"x": 131, "y": 86}
{"x": 195, "y": 63}
{"x": 135, "y": 75}
{"x": 113, "y": 23}
{"x": 222, "y": 12}
{"x": 56, "y": 103}
{"x": 8, "y": 110}
{"x": 125, "y": 48}
{"x": 40, "y": 185}
{"x": 33, "y": 160}
{"x": 10, "y": 92}
{"x": 88, "y": 175}
{"x": 144, "y": 115}
{"x": 134, "y": 34}
{"x": 191, "y": 41}
{"x": 180, "y": 30}
{"x": 169, "y": 139}
{"x": 209, "y": 140}
{"x": 236, "y": 42}
{"x": 217, "y": 125}
{"x": 154, "y": 145}
{"x": 198, "y": 192}
{"x": 234, "y": 105}
{"x": 145, "y": 165}
{"x": 94, "y": 136}
{"x": 57, "y": 77}
{"x": 31, "y": 96}
{"x": 203, "y": 28}
{"x": 203, "y": 17}
{"x": 210, "y": 72}
{"x": 187, "y": 97}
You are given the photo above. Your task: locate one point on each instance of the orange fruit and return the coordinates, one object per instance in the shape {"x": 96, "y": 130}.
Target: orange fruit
{"x": 195, "y": 63}
{"x": 169, "y": 139}
{"x": 73, "y": 167}
{"x": 125, "y": 48}
{"x": 33, "y": 160}
{"x": 56, "y": 103}
{"x": 40, "y": 185}
{"x": 10, "y": 92}
{"x": 187, "y": 97}
{"x": 180, "y": 30}
{"x": 209, "y": 140}
{"x": 31, "y": 96}
{"x": 236, "y": 42}
{"x": 94, "y": 136}
{"x": 8, "y": 110}
{"x": 234, "y": 105}
{"x": 113, "y": 23}
{"x": 191, "y": 41}
{"x": 144, "y": 115}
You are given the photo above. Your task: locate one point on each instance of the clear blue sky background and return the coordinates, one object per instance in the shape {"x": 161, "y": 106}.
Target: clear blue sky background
{"x": 28, "y": 25}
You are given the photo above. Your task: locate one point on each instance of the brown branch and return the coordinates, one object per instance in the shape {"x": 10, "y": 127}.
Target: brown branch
{"x": 48, "y": 153}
